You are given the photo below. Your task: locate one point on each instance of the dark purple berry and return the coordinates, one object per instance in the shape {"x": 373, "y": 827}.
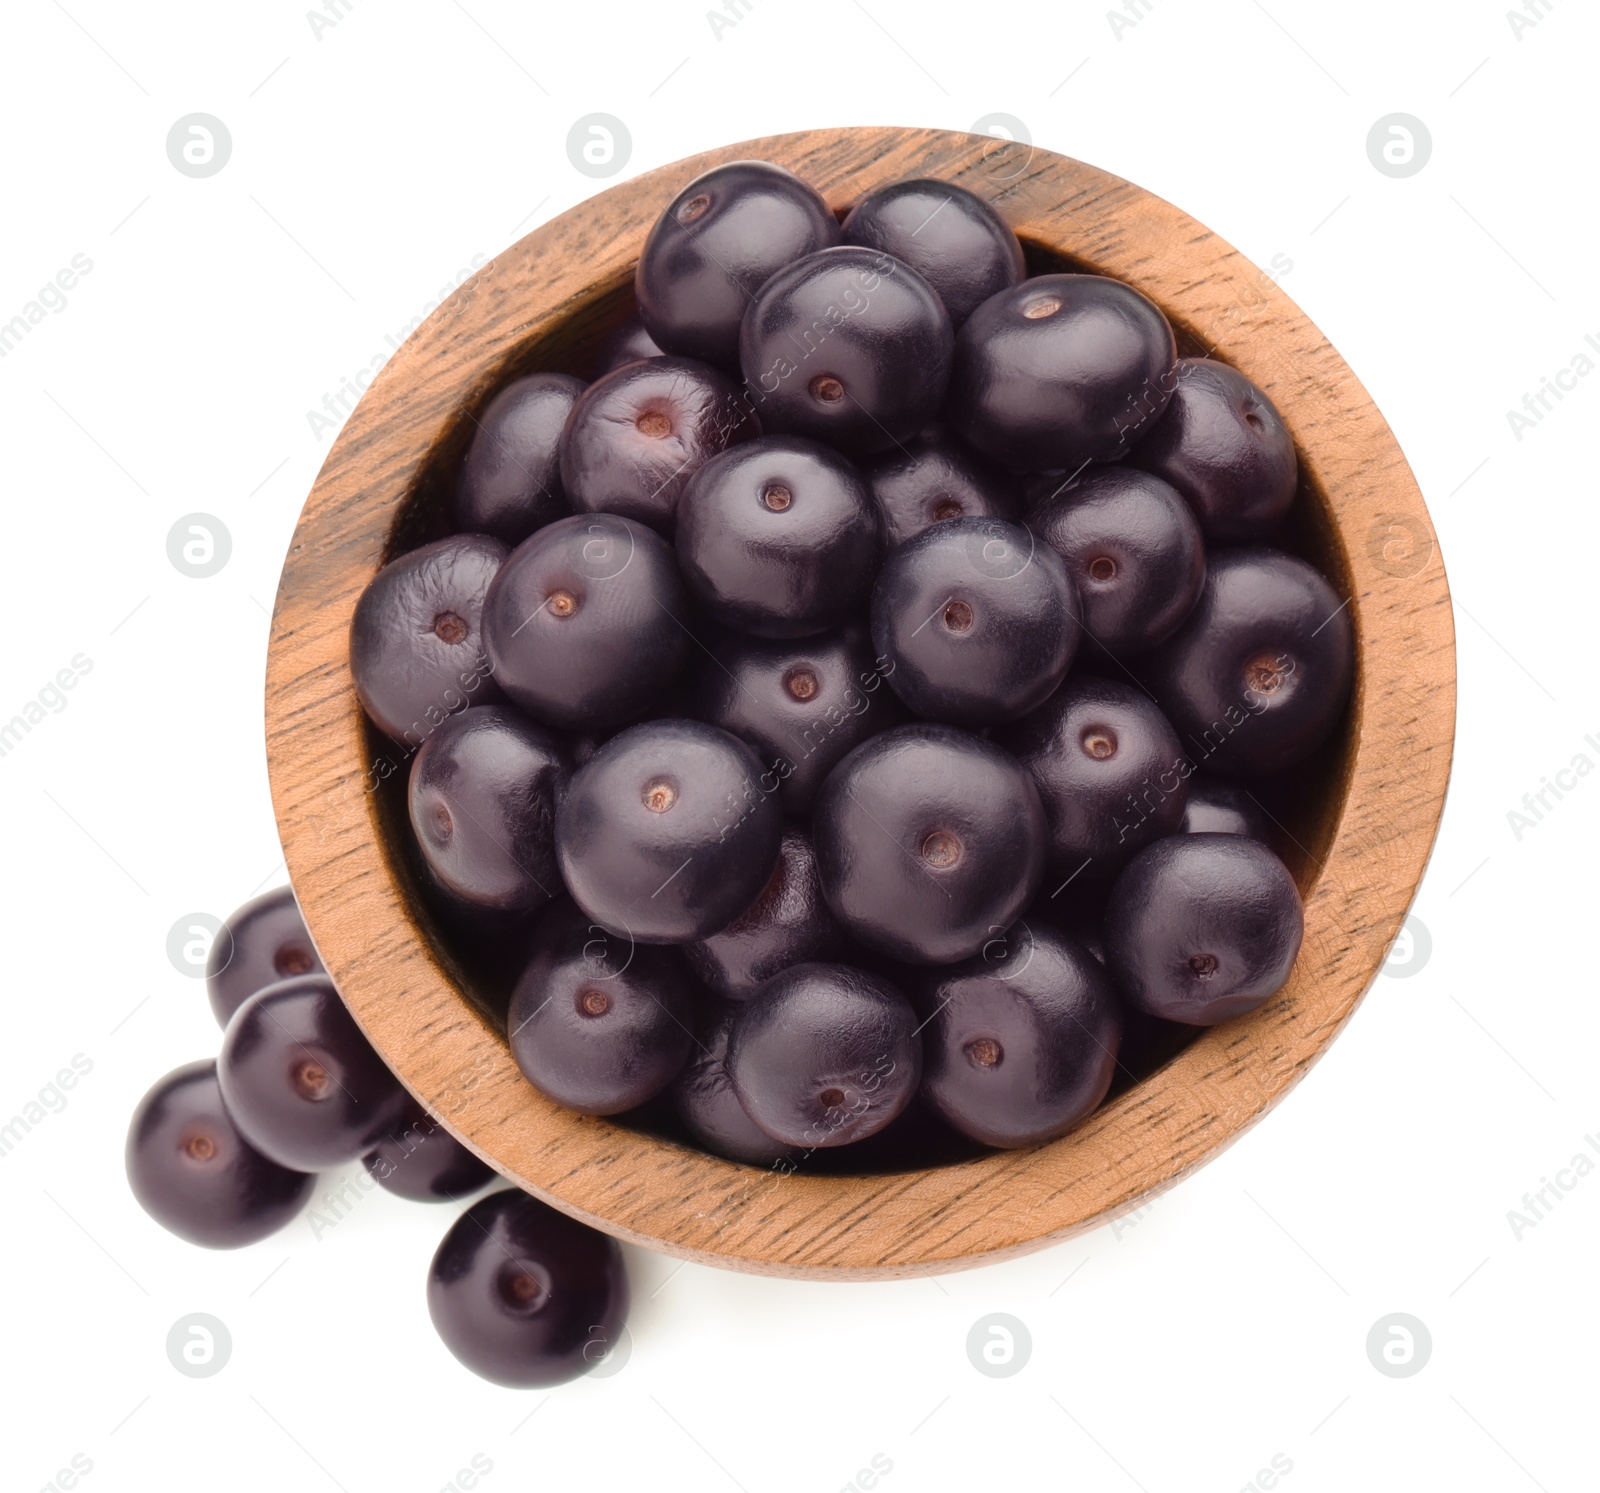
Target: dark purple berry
{"x": 629, "y": 343}
{"x": 917, "y": 1138}
{"x": 719, "y": 241}
{"x": 849, "y": 347}
{"x": 978, "y": 619}
{"x": 1218, "y": 807}
{"x": 416, "y": 639}
{"x": 421, "y": 1161}
{"x": 931, "y": 479}
{"x": 196, "y": 1175}
{"x": 302, "y": 1082}
{"x": 704, "y": 1098}
{"x": 1109, "y": 770}
{"x": 598, "y": 1023}
{"x": 801, "y": 705}
{"x": 640, "y": 432}
{"x": 584, "y": 623}
{"x": 667, "y": 833}
{"x": 952, "y": 238}
{"x": 482, "y": 799}
{"x": 824, "y": 1054}
{"x": 789, "y": 923}
{"x": 1133, "y": 550}
{"x": 1203, "y": 928}
{"x": 525, "y": 1296}
{"x": 1225, "y": 448}
{"x": 1258, "y": 675}
{"x": 1060, "y": 370}
{"x": 778, "y": 538}
{"x": 263, "y": 942}
{"x": 928, "y": 841}
{"x": 1021, "y": 1042}
{"x": 510, "y": 483}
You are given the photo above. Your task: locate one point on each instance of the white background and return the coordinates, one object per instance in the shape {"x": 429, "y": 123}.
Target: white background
{"x": 1180, "y": 1351}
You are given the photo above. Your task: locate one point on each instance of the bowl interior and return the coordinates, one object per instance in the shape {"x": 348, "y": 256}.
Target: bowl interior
{"x": 1305, "y": 803}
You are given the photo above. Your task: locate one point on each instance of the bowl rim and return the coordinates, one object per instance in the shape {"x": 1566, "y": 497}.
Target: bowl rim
{"x": 665, "y": 1195}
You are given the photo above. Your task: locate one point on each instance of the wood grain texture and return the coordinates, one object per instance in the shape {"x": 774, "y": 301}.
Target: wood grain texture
{"x": 1364, "y": 841}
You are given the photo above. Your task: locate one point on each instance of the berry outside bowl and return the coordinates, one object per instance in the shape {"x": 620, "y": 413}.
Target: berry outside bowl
{"x": 1362, "y": 831}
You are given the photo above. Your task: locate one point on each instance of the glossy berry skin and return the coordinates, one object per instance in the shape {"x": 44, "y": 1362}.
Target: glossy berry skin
{"x": 1202, "y": 928}
{"x": 194, "y": 1173}
{"x": 598, "y": 1023}
{"x": 422, "y": 1162}
{"x": 704, "y": 1098}
{"x": 640, "y": 432}
{"x": 848, "y": 347}
{"x": 510, "y": 483}
{"x": 1060, "y": 370}
{"x": 1258, "y": 675}
{"x": 263, "y": 942}
{"x": 978, "y": 619}
{"x": 525, "y": 1296}
{"x": 482, "y": 801}
{"x": 1133, "y": 550}
{"x": 1218, "y": 807}
{"x": 583, "y": 624}
{"x": 801, "y": 705}
{"x": 1222, "y": 444}
{"x": 1021, "y": 1042}
{"x": 928, "y": 839}
{"x": 302, "y": 1082}
{"x": 416, "y": 639}
{"x": 934, "y": 478}
{"x": 952, "y": 238}
{"x": 778, "y": 538}
{"x": 789, "y": 923}
{"x": 718, "y": 242}
{"x": 825, "y": 1054}
{"x": 666, "y": 834}
{"x": 917, "y": 1138}
{"x": 627, "y": 344}
{"x": 1109, "y": 770}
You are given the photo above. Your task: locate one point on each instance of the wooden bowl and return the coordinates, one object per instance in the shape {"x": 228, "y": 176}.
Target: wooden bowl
{"x": 1364, "y": 827}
